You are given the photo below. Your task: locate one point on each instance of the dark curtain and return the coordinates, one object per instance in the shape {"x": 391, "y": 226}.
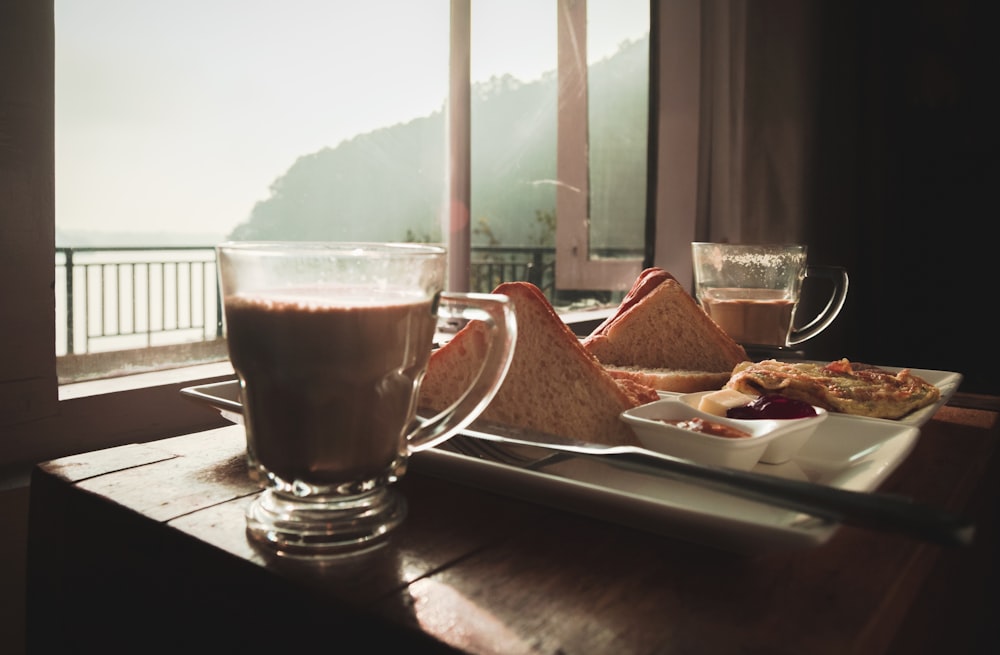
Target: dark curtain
{"x": 869, "y": 131}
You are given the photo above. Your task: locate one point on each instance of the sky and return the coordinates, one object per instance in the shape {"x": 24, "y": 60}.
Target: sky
{"x": 181, "y": 114}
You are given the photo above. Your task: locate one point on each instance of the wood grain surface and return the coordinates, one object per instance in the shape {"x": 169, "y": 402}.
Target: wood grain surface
{"x": 147, "y": 540}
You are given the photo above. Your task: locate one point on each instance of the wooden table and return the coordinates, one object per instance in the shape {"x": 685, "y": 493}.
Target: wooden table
{"x": 142, "y": 548}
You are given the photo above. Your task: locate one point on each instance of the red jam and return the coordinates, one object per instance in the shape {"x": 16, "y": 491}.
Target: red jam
{"x": 708, "y": 427}
{"x": 775, "y": 407}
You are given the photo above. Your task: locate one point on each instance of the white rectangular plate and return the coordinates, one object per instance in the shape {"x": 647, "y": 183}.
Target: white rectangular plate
{"x": 849, "y": 453}
{"x": 846, "y": 451}
{"x": 946, "y": 381}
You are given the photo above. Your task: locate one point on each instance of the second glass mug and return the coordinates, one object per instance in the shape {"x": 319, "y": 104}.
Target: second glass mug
{"x": 753, "y": 291}
{"x": 329, "y": 342}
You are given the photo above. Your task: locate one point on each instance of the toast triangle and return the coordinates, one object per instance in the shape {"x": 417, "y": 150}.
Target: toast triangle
{"x": 553, "y": 385}
{"x": 665, "y": 329}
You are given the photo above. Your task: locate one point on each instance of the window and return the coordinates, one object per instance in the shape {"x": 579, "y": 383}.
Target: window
{"x": 36, "y": 423}
{"x": 188, "y": 124}
{"x": 574, "y": 137}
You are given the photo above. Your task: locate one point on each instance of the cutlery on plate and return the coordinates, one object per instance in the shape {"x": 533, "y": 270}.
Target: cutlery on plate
{"x": 874, "y": 511}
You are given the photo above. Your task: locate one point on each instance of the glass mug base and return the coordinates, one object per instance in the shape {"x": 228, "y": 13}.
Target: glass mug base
{"x": 324, "y": 528}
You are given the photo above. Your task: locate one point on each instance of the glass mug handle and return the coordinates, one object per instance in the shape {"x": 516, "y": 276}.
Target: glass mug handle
{"x": 497, "y": 313}
{"x": 838, "y": 277}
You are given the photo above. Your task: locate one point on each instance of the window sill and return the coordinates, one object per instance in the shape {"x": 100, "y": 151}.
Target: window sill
{"x": 583, "y": 322}
{"x": 111, "y": 412}
{"x": 187, "y": 374}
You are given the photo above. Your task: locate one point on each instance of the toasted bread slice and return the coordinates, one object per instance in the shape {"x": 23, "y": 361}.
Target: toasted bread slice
{"x": 648, "y": 280}
{"x": 669, "y": 379}
{"x": 661, "y": 326}
{"x": 553, "y": 384}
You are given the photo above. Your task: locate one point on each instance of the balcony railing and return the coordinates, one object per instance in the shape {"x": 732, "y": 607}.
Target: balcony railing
{"x": 125, "y": 298}
{"x": 148, "y": 302}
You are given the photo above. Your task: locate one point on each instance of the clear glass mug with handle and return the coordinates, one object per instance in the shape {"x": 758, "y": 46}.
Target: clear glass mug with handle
{"x": 753, "y": 291}
{"x": 330, "y": 342}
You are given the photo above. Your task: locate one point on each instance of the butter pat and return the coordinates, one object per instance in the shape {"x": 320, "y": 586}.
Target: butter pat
{"x": 719, "y": 402}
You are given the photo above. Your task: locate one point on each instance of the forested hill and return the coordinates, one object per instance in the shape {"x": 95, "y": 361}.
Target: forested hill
{"x": 389, "y": 184}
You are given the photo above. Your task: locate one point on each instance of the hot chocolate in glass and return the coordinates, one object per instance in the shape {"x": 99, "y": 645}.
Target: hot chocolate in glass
{"x": 330, "y": 342}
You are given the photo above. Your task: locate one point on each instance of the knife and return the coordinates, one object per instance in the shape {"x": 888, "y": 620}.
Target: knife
{"x": 873, "y": 511}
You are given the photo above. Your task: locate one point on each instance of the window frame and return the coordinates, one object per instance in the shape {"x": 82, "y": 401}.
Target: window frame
{"x": 41, "y": 421}
{"x": 575, "y": 269}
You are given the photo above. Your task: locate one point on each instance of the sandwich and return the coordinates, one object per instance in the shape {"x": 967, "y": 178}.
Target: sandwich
{"x": 662, "y": 338}
{"x": 553, "y": 385}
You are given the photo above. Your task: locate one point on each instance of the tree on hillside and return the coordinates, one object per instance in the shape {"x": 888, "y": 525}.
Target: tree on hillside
{"x": 388, "y": 185}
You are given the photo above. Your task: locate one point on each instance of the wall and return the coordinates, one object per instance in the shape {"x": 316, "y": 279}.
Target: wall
{"x": 13, "y": 547}
{"x": 907, "y": 159}
{"x": 868, "y": 131}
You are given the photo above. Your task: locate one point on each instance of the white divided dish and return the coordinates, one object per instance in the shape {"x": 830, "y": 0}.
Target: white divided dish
{"x": 786, "y": 444}
{"x": 776, "y": 439}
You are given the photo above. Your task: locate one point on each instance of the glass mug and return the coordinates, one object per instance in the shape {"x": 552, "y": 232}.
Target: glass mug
{"x": 752, "y": 291}
{"x": 330, "y": 342}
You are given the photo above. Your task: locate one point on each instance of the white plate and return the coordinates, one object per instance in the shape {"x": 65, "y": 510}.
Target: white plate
{"x": 946, "y": 381}
{"x": 845, "y": 451}
{"x": 849, "y": 453}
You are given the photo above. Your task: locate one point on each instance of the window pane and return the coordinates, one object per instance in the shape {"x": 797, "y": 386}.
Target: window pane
{"x": 185, "y": 123}
{"x": 513, "y": 142}
{"x": 516, "y": 116}
{"x": 618, "y": 54}
{"x": 180, "y": 118}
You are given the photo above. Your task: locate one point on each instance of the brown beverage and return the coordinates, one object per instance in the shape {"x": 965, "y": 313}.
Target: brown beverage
{"x": 328, "y": 380}
{"x": 751, "y": 316}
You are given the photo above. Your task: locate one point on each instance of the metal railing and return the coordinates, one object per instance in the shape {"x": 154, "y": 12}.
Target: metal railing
{"x": 491, "y": 266}
{"x": 135, "y": 309}
{"x": 126, "y": 298}
{"x": 137, "y": 297}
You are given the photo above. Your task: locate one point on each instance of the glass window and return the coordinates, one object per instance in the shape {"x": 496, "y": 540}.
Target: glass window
{"x": 182, "y": 124}
{"x": 559, "y": 144}
{"x": 41, "y": 419}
